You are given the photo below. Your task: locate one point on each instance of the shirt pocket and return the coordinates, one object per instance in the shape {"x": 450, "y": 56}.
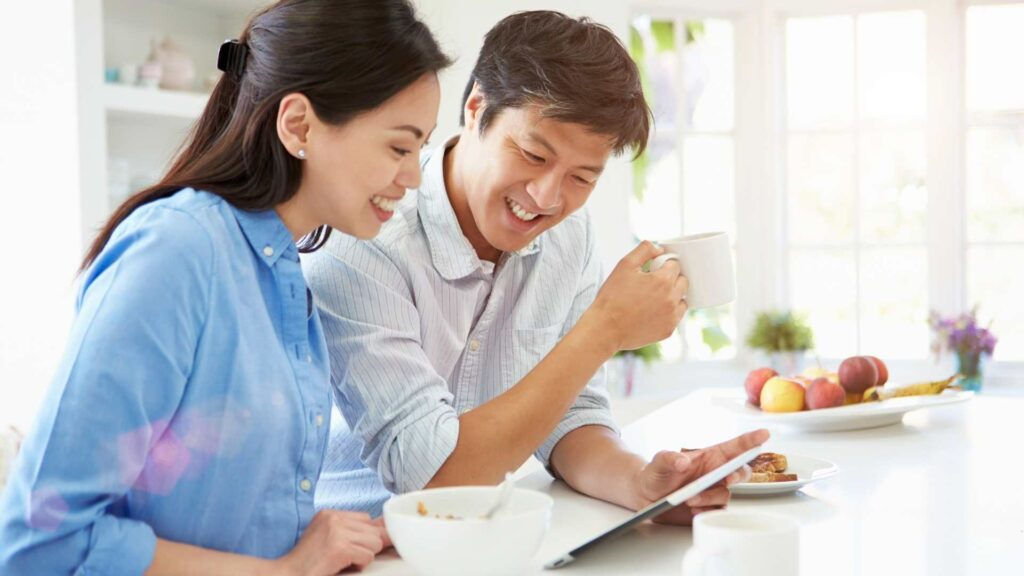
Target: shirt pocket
{"x": 527, "y": 348}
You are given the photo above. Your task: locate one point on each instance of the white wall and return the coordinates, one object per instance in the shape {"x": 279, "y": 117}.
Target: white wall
{"x": 40, "y": 224}
{"x": 460, "y": 26}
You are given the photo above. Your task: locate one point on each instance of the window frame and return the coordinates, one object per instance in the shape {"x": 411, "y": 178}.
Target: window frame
{"x": 759, "y": 132}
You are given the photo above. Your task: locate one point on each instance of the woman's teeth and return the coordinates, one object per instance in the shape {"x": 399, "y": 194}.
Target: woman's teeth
{"x": 519, "y": 212}
{"x": 385, "y": 204}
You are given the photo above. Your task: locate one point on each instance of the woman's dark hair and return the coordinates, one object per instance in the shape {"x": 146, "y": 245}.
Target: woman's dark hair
{"x": 574, "y": 69}
{"x": 346, "y": 56}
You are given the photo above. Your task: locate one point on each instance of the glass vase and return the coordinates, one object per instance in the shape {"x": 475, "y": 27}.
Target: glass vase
{"x": 971, "y": 365}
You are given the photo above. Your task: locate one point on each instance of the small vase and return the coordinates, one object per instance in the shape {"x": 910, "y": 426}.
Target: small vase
{"x": 788, "y": 363}
{"x": 625, "y": 375}
{"x": 971, "y": 366}
{"x": 176, "y": 67}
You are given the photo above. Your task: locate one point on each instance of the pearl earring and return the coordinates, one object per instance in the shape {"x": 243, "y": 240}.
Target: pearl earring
{"x": 302, "y": 154}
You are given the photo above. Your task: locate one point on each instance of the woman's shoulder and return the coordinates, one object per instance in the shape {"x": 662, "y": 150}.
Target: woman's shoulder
{"x": 172, "y": 232}
{"x": 187, "y": 216}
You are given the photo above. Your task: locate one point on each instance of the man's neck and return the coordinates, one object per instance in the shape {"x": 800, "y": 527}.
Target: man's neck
{"x": 455, "y": 185}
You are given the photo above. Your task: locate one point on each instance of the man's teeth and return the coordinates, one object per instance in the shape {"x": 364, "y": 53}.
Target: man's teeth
{"x": 385, "y": 204}
{"x": 519, "y": 212}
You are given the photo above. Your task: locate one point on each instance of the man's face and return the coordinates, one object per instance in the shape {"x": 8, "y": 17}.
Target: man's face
{"x": 526, "y": 174}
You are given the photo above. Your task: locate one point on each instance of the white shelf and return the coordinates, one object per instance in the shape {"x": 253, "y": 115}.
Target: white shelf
{"x": 231, "y": 7}
{"x": 135, "y": 101}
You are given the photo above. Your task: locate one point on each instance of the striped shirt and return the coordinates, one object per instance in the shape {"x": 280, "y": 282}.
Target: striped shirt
{"x": 420, "y": 330}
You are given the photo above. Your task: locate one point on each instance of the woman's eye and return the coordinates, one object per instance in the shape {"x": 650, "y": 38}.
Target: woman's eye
{"x": 401, "y": 151}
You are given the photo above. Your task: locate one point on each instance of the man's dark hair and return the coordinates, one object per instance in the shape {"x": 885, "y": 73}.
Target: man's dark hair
{"x": 575, "y": 70}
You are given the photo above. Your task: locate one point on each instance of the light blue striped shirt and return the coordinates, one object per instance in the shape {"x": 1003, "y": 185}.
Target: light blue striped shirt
{"x": 420, "y": 330}
{"x": 192, "y": 402}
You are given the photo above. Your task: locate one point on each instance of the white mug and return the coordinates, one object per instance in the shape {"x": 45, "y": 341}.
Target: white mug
{"x": 735, "y": 543}
{"x": 706, "y": 261}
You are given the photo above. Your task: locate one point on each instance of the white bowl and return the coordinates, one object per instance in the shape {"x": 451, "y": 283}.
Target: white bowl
{"x": 467, "y": 545}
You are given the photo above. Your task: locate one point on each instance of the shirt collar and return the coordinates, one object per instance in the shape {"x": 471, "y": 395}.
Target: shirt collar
{"x": 452, "y": 254}
{"x": 267, "y": 235}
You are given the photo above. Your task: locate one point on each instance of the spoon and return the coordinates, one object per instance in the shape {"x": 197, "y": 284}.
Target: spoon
{"x": 503, "y": 497}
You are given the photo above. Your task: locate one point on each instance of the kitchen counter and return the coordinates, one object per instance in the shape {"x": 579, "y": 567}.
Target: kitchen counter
{"x": 939, "y": 494}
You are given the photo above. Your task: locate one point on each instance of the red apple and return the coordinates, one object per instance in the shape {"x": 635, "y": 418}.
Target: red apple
{"x": 857, "y": 374}
{"x": 883, "y": 371}
{"x": 755, "y": 381}
{"x": 824, "y": 393}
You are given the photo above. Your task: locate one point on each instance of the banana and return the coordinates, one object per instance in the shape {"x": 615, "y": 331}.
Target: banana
{"x": 875, "y": 393}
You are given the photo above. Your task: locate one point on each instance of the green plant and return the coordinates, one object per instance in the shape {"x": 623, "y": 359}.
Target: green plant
{"x": 647, "y": 354}
{"x": 780, "y": 332}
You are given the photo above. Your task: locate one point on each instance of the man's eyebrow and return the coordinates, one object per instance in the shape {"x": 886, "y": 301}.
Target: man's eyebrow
{"x": 540, "y": 140}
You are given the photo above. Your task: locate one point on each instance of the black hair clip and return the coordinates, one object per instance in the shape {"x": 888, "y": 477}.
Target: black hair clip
{"x": 231, "y": 58}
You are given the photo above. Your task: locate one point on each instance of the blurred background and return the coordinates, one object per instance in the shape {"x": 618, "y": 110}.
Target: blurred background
{"x": 866, "y": 158}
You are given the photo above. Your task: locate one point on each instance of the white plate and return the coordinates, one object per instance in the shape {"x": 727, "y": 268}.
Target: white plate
{"x": 807, "y": 470}
{"x": 854, "y": 417}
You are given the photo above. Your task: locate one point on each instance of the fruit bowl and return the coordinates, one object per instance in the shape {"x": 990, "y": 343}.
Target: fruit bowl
{"x": 852, "y": 417}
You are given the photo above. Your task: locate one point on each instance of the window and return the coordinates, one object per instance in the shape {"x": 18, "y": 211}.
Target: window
{"x": 885, "y": 166}
{"x": 684, "y": 183}
{"x": 994, "y": 172}
{"x": 855, "y": 195}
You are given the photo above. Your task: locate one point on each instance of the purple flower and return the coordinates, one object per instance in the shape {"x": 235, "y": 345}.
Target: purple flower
{"x": 961, "y": 335}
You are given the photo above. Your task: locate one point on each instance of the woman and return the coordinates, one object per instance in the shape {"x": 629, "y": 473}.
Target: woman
{"x": 186, "y": 426}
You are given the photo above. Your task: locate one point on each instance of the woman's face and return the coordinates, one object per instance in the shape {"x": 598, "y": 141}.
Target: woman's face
{"x": 354, "y": 174}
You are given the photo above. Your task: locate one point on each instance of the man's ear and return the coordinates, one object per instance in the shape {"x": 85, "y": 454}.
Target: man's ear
{"x": 294, "y": 116}
{"x": 474, "y": 108}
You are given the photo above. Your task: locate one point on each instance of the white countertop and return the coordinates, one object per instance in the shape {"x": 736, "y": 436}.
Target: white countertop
{"x": 940, "y": 494}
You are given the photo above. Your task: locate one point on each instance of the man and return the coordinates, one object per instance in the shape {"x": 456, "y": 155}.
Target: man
{"x": 471, "y": 332}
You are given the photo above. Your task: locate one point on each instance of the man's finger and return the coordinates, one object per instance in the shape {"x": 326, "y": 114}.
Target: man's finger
{"x": 739, "y": 476}
{"x": 641, "y": 254}
{"x": 714, "y": 496}
{"x": 742, "y": 443}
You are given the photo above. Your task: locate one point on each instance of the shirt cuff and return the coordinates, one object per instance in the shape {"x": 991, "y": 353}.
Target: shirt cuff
{"x": 118, "y": 546}
{"x": 575, "y": 418}
{"x": 419, "y": 451}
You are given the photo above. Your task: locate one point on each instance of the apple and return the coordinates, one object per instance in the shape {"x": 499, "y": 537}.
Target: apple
{"x": 857, "y": 374}
{"x": 813, "y": 372}
{"x": 883, "y": 371}
{"x": 755, "y": 381}
{"x": 823, "y": 393}
{"x": 782, "y": 395}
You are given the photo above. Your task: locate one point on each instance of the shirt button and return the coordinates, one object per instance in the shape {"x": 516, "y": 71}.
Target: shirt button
{"x": 268, "y": 251}
{"x": 306, "y": 485}
{"x": 319, "y": 420}
{"x": 474, "y": 345}
{"x": 309, "y": 358}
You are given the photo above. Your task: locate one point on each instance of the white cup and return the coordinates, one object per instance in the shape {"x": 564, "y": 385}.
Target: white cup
{"x": 733, "y": 543}
{"x": 706, "y": 261}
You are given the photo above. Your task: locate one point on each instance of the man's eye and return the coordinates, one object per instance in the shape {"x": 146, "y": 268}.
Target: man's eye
{"x": 532, "y": 157}
{"x": 401, "y": 151}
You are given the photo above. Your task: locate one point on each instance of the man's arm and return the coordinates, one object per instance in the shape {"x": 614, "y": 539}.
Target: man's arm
{"x": 401, "y": 408}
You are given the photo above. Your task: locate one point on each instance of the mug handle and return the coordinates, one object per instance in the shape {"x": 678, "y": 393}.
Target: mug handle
{"x": 659, "y": 261}
{"x": 695, "y": 561}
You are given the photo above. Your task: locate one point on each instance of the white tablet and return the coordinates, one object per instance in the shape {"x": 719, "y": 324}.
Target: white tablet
{"x": 664, "y": 505}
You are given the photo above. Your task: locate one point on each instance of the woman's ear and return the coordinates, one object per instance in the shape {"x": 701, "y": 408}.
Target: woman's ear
{"x": 294, "y": 116}
{"x": 474, "y": 108}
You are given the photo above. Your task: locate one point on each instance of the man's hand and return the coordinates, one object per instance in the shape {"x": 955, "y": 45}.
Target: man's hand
{"x": 668, "y": 471}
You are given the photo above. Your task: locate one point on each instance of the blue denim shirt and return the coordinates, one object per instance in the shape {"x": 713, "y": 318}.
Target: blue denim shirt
{"x": 192, "y": 402}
